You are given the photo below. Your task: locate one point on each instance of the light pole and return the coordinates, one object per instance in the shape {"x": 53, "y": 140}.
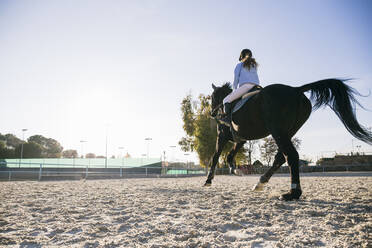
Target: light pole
{"x": 82, "y": 146}
{"x": 121, "y": 148}
{"x": 142, "y": 156}
{"x": 173, "y": 147}
{"x": 148, "y": 146}
{"x": 358, "y": 149}
{"x": 187, "y": 160}
{"x": 121, "y": 154}
{"x": 106, "y": 145}
{"x": 23, "y": 140}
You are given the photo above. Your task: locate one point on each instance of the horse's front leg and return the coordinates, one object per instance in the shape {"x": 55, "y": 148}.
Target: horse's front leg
{"x": 214, "y": 161}
{"x": 221, "y": 142}
{"x": 231, "y": 156}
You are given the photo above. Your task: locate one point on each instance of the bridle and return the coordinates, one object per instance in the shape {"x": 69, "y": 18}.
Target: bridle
{"x": 213, "y": 113}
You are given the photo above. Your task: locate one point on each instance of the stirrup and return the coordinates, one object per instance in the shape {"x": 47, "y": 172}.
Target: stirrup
{"x": 226, "y": 120}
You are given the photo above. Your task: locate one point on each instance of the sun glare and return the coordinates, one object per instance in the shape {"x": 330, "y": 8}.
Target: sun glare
{"x": 96, "y": 105}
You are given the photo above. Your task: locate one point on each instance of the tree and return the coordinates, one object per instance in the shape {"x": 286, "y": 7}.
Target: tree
{"x": 250, "y": 149}
{"x": 69, "y": 154}
{"x": 8, "y": 143}
{"x": 269, "y": 148}
{"x": 12, "y": 141}
{"x": 187, "y": 143}
{"x": 5, "y": 152}
{"x": 30, "y": 150}
{"x": 205, "y": 131}
{"x": 50, "y": 147}
{"x": 2, "y": 141}
{"x": 90, "y": 155}
{"x": 11, "y": 147}
{"x": 201, "y": 130}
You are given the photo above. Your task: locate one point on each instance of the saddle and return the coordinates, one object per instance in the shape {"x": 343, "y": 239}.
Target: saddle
{"x": 237, "y": 104}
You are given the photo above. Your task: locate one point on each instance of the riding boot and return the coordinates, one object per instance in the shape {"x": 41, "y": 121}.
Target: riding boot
{"x": 227, "y": 109}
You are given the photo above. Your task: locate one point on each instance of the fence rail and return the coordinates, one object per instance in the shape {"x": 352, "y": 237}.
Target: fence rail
{"x": 66, "y": 171}
{"x": 81, "y": 162}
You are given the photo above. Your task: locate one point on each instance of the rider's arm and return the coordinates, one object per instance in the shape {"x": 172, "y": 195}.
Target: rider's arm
{"x": 236, "y": 76}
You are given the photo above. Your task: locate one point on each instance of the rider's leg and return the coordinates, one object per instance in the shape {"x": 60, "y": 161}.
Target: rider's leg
{"x": 236, "y": 94}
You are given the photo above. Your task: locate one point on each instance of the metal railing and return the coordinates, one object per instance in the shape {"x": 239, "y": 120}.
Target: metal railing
{"x": 40, "y": 171}
{"x": 78, "y": 162}
{"x": 66, "y": 171}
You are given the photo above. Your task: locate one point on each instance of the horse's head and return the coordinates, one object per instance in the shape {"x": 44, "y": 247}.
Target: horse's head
{"x": 219, "y": 93}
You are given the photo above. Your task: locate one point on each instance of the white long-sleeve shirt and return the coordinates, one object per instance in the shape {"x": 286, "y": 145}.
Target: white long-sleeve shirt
{"x": 242, "y": 76}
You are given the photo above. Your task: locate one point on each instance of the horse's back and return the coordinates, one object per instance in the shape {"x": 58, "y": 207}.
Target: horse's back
{"x": 285, "y": 109}
{"x": 277, "y": 109}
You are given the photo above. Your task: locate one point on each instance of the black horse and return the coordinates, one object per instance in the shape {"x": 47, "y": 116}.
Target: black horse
{"x": 224, "y": 136}
{"x": 281, "y": 110}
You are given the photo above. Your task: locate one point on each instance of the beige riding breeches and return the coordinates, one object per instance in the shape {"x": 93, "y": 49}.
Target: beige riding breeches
{"x": 238, "y": 92}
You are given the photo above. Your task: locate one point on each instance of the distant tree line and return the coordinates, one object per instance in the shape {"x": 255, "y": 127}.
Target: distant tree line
{"x": 36, "y": 146}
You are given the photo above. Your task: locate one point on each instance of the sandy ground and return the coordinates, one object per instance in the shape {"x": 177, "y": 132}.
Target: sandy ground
{"x": 178, "y": 212}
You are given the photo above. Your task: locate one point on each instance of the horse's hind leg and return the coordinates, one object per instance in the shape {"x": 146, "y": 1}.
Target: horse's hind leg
{"x": 231, "y": 156}
{"x": 291, "y": 155}
{"x": 278, "y": 161}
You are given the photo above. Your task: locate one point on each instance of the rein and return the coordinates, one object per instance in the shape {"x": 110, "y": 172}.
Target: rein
{"x": 216, "y": 108}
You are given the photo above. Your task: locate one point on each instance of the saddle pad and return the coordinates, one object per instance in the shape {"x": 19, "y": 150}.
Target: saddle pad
{"x": 244, "y": 99}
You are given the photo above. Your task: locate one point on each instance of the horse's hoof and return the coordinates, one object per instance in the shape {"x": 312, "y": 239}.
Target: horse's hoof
{"x": 294, "y": 194}
{"x": 237, "y": 172}
{"x": 258, "y": 187}
{"x": 207, "y": 184}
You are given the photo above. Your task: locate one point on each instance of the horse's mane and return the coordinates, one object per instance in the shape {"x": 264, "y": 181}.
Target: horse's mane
{"x": 226, "y": 86}
{"x": 225, "y": 89}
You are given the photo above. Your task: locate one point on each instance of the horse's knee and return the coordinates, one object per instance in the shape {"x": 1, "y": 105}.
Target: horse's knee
{"x": 279, "y": 159}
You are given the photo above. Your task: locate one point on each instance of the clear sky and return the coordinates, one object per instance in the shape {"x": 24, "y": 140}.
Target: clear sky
{"x": 70, "y": 70}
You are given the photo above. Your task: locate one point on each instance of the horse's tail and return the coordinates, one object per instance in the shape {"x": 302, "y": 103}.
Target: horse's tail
{"x": 341, "y": 99}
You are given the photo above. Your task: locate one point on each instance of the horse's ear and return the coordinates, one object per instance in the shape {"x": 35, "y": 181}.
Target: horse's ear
{"x": 214, "y": 86}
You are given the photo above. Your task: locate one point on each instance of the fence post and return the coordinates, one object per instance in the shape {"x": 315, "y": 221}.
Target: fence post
{"x": 121, "y": 171}
{"x": 10, "y": 175}
{"x": 146, "y": 171}
{"x": 40, "y": 171}
{"x": 86, "y": 172}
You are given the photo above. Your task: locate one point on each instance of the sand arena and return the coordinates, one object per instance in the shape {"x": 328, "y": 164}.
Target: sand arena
{"x": 334, "y": 211}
